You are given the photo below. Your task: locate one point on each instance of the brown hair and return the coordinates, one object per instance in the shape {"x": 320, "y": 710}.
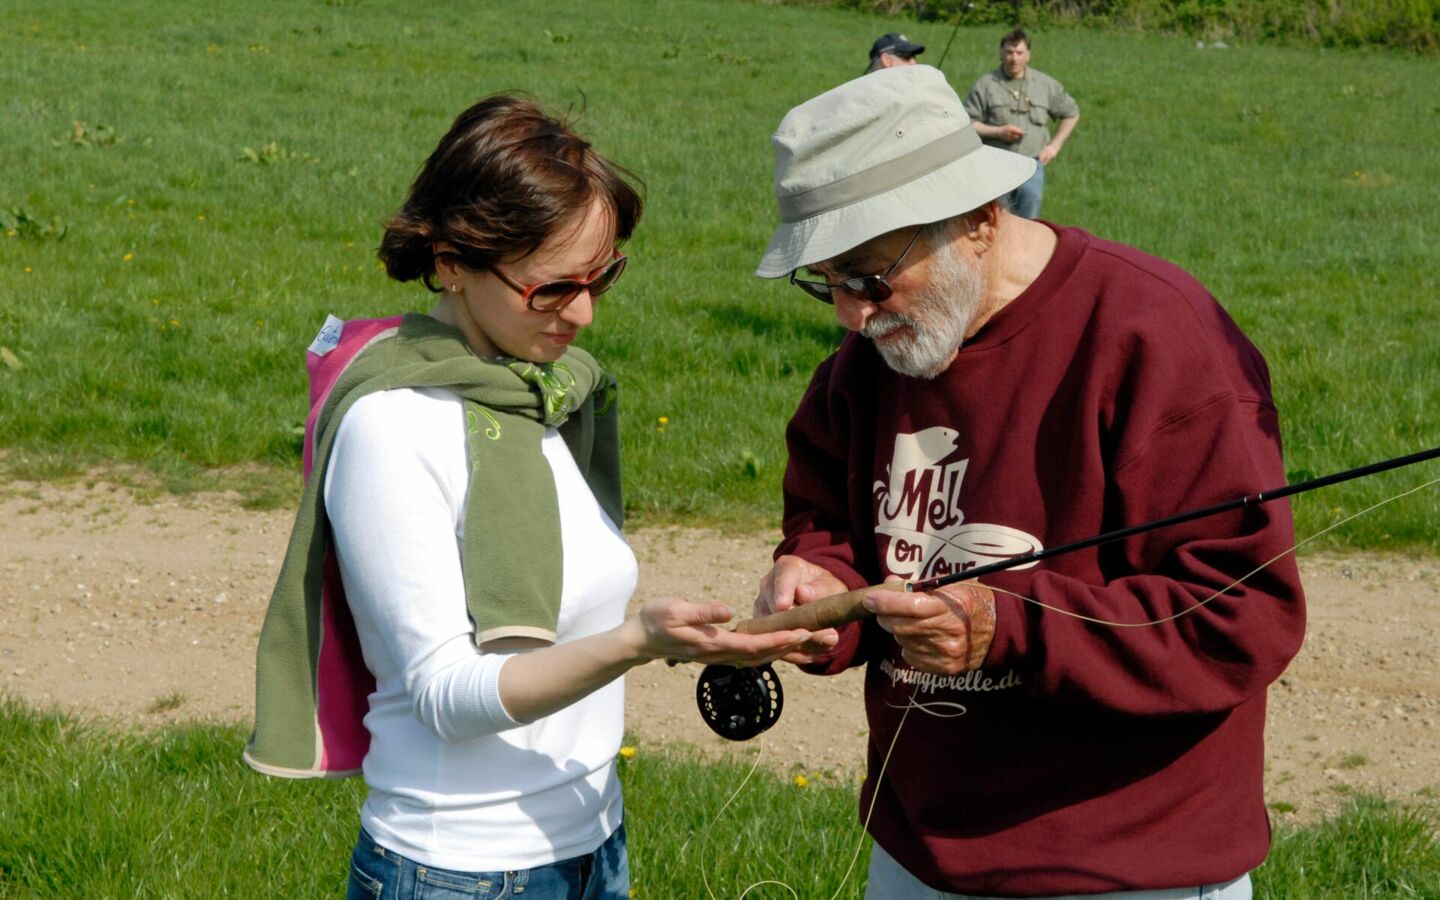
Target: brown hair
{"x": 503, "y": 180}
{"x": 1018, "y": 36}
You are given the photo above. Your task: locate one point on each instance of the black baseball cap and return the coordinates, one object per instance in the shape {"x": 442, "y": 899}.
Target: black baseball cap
{"x": 895, "y": 43}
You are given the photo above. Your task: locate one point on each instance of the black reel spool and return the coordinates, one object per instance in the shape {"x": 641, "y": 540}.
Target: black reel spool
{"x": 739, "y": 704}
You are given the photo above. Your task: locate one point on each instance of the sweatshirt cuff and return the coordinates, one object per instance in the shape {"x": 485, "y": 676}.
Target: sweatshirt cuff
{"x": 1010, "y": 642}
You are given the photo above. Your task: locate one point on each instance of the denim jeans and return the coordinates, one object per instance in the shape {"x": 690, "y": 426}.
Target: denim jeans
{"x": 380, "y": 874}
{"x": 1024, "y": 201}
{"x": 891, "y": 881}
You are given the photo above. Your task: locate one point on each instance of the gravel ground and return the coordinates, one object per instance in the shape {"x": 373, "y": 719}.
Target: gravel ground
{"x": 145, "y": 612}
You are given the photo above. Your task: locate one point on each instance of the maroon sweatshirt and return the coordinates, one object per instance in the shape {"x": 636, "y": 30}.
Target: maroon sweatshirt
{"x": 1082, "y": 757}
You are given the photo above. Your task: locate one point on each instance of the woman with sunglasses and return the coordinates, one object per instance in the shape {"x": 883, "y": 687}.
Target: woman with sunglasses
{"x": 457, "y": 578}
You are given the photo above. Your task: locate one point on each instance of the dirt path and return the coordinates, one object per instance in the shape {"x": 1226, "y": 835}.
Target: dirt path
{"x": 148, "y": 612}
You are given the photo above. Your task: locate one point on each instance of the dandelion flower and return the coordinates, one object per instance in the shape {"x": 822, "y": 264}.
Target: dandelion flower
{"x": 664, "y": 420}
{"x": 128, "y": 257}
{"x": 627, "y": 752}
{"x": 28, "y": 270}
{"x": 200, "y": 218}
{"x": 801, "y": 781}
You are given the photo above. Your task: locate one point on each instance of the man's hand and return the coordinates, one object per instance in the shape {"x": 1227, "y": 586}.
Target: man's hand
{"x": 793, "y": 581}
{"x": 1007, "y": 133}
{"x": 1062, "y": 134}
{"x": 947, "y": 630}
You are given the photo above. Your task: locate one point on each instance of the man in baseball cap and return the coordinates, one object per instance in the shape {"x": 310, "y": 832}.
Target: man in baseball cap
{"x": 1008, "y": 385}
{"x": 893, "y": 49}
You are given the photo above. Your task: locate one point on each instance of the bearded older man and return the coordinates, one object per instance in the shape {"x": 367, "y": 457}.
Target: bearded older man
{"x": 1093, "y": 724}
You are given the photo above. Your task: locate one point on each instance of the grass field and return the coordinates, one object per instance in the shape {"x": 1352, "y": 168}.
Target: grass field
{"x": 189, "y": 192}
{"x": 88, "y": 811}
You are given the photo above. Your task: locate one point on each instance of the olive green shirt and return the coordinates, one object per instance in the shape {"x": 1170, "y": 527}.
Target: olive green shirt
{"x": 1030, "y": 102}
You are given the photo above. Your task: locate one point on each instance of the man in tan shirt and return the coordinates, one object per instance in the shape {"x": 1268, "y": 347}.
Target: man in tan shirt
{"x": 1011, "y": 108}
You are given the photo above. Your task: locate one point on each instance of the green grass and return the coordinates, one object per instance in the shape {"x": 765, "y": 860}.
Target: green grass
{"x": 1294, "y": 182}
{"x": 94, "y": 811}
{"x": 1372, "y": 849}
{"x": 88, "y": 810}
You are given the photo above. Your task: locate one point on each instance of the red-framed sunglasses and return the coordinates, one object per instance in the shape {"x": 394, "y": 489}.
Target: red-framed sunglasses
{"x": 553, "y": 296}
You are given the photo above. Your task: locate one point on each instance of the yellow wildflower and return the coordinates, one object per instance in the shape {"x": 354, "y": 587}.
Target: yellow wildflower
{"x": 664, "y": 420}
{"x": 128, "y": 257}
{"x": 801, "y": 781}
{"x": 627, "y": 752}
{"x": 200, "y": 218}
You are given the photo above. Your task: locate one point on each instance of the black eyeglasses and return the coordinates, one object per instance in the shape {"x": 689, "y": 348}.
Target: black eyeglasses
{"x": 870, "y": 288}
{"x": 553, "y": 296}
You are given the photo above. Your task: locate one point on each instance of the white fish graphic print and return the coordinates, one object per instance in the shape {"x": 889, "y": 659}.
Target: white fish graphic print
{"x": 919, "y": 511}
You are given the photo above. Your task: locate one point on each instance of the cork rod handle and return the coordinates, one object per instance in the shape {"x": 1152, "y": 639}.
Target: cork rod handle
{"x": 827, "y": 612}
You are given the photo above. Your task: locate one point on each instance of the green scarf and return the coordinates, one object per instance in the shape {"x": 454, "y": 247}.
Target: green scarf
{"x": 511, "y": 554}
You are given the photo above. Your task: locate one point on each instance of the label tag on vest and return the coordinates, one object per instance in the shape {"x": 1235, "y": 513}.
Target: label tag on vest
{"x": 329, "y": 337}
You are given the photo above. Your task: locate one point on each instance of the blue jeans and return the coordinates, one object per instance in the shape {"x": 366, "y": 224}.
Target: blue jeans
{"x": 380, "y": 874}
{"x": 1024, "y": 201}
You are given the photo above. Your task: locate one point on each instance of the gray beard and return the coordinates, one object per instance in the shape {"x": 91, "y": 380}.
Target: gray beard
{"x": 941, "y": 313}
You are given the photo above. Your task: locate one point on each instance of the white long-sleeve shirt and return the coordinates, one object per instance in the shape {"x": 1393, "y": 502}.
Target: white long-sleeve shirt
{"x": 454, "y": 781}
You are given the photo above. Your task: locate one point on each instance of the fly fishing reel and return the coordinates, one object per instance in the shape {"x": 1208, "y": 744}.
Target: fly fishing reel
{"x": 739, "y": 703}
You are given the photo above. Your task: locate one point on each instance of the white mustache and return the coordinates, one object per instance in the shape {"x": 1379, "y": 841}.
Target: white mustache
{"x": 883, "y": 324}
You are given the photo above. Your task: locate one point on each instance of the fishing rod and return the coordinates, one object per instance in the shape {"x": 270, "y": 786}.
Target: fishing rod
{"x": 741, "y": 703}
{"x": 946, "y": 52}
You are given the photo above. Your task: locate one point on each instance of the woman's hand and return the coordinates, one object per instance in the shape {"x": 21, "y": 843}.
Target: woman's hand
{"x": 671, "y": 628}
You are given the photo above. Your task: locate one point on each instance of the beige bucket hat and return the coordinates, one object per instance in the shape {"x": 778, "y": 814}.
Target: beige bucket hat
{"x": 886, "y": 150}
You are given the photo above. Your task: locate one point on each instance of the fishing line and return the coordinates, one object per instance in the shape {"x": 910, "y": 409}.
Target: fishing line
{"x": 1236, "y": 583}
{"x": 864, "y": 825}
{"x": 911, "y": 704}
